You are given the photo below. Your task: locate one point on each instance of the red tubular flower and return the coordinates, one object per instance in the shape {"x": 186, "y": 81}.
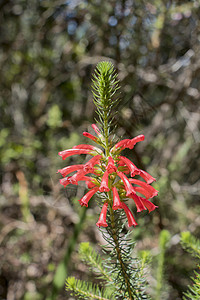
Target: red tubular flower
{"x": 142, "y": 191}
{"x": 123, "y": 168}
{"x": 122, "y": 145}
{"x": 90, "y": 136}
{"x": 131, "y": 220}
{"x": 147, "y": 177}
{"x": 78, "y": 176}
{"x": 127, "y": 143}
{"x": 93, "y": 161}
{"x": 133, "y": 169}
{"x": 69, "y": 152}
{"x": 90, "y": 184}
{"x": 128, "y": 186}
{"x": 135, "y": 140}
{"x": 65, "y": 181}
{"x": 85, "y": 199}
{"x": 153, "y": 192}
{"x": 116, "y": 199}
{"x": 104, "y": 171}
{"x": 148, "y": 204}
{"x": 104, "y": 183}
{"x": 84, "y": 146}
{"x": 65, "y": 171}
{"x": 111, "y": 168}
{"x": 121, "y": 163}
{"x": 102, "y": 217}
{"x": 139, "y": 204}
{"x": 89, "y": 147}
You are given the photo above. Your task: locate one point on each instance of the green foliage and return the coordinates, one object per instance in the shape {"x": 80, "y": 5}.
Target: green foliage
{"x": 85, "y": 290}
{"x": 97, "y": 265}
{"x": 145, "y": 258}
{"x": 163, "y": 242}
{"x": 193, "y": 292}
{"x": 110, "y": 272}
{"x": 126, "y": 269}
{"x": 105, "y": 85}
{"x": 94, "y": 261}
{"x": 192, "y": 245}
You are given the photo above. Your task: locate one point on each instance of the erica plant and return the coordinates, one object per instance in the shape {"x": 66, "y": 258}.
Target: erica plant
{"x": 114, "y": 179}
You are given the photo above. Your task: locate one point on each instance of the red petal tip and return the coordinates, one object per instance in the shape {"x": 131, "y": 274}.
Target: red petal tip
{"x": 99, "y": 224}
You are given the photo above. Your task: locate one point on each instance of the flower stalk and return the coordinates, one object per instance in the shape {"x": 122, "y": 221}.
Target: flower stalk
{"x": 118, "y": 252}
{"x": 107, "y": 173}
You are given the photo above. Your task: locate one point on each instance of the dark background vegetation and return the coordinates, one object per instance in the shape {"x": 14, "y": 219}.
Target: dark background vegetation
{"x": 48, "y": 52}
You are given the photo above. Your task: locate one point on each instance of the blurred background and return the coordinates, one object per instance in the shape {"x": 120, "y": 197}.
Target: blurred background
{"x": 49, "y": 49}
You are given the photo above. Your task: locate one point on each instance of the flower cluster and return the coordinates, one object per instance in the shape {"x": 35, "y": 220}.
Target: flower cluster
{"x": 108, "y": 174}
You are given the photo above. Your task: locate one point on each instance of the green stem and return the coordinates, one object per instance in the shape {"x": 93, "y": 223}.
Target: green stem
{"x": 118, "y": 251}
{"x": 106, "y": 133}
